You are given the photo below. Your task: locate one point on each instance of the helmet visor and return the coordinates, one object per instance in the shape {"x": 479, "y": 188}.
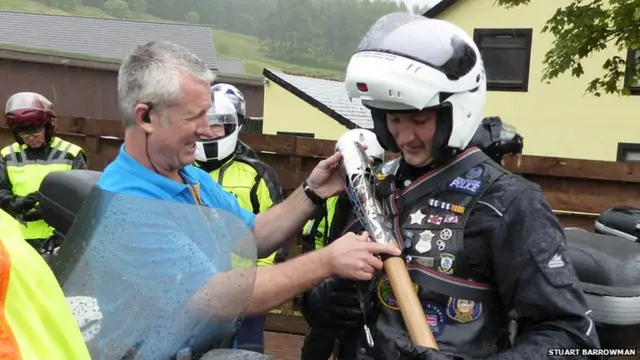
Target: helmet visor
{"x": 222, "y": 113}
{"x": 26, "y": 119}
{"x": 428, "y": 41}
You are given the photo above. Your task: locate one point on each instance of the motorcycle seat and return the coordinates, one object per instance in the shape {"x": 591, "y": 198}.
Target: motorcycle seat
{"x": 608, "y": 268}
{"x": 62, "y": 194}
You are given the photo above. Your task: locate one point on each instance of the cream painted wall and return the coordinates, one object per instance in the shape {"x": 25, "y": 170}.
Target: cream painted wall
{"x": 283, "y": 111}
{"x": 556, "y": 119}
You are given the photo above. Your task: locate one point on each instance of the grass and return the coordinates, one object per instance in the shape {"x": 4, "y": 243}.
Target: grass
{"x": 229, "y": 45}
{"x": 238, "y": 46}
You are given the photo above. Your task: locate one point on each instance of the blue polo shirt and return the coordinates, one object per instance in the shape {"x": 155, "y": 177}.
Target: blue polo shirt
{"x": 158, "y": 249}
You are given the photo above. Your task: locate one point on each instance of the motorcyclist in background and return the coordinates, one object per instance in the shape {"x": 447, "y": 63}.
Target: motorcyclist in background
{"x": 482, "y": 245}
{"x": 319, "y": 342}
{"x": 36, "y": 153}
{"x": 497, "y": 139}
{"x": 240, "y": 172}
{"x": 37, "y": 322}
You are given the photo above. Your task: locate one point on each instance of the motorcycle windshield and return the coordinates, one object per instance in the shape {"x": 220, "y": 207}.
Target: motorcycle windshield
{"x": 150, "y": 279}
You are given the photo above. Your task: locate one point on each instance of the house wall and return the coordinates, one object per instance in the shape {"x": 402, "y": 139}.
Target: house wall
{"x": 89, "y": 92}
{"x": 74, "y": 91}
{"x": 285, "y": 112}
{"x": 556, "y": 119}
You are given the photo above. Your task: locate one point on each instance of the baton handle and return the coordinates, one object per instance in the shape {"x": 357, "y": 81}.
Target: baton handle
{"x": 414, "y": 317}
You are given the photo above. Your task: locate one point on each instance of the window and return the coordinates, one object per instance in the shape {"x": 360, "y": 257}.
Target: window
{"x": 297, "y": 134}
{"x": 633, "y": 59}
{"x": 252, "y": 125}
{"x": 628, "y": 152}
{"x": 506, "y": 54}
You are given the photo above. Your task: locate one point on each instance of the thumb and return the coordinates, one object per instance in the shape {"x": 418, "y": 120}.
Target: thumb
{"x": 331, "y": 160}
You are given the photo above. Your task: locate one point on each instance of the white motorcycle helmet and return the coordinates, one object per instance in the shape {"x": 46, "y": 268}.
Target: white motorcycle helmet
{"x": 408, "y": 63}
{"x": 365, "y": 137}
{"x": 236, "y": 98}
{"x": 223, "y": 114}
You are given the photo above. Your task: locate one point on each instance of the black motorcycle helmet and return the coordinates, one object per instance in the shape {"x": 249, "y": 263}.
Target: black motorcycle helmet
{"x": 497, "y": 139}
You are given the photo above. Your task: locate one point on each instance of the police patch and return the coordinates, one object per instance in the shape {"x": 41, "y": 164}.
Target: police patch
{"x": 386, "y": 296}
{"x": 474, "y": 173}
{"x": 463, "y": 311}
{"x": 446, "y": 263}
{"x": 387, "y": 167}
{"x": 464, "y": 185}
{"x": 435, "y": 318}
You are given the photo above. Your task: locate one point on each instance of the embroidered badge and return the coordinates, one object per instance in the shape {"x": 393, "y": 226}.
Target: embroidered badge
{"x": 408, "y": 236}
{"x": 446, "y": 263}
{"x": 467, "y": 186}
{"x": 387, "y": 167}
{"x": 424, "y": 244}
{"x": 423, "y": 261}
{"x": 474, "y": 173}
{"x": 407, "y": 243}
{"x": 386, "y": 296}
{"x": 463, "y": 311}
{"x": 441, "y": 245}
{"x": 435, "y": 318}
{"x": 446, "y": 206}
{"x": 417, "y": 217}
{"x": 556, "y": 262}
{"x": 451, "y": 219}
{"x": 239, "y": 149}
{"x": 435, "y": 219}
{"x": 446, "y": 234}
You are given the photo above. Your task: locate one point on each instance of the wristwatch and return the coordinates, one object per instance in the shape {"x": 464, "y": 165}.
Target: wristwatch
{"x": 315, "y": 199}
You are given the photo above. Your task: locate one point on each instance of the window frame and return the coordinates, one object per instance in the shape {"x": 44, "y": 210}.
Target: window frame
{"x": 478, "y": 34}
{"x": 631, "y": 61}
{"x": 296, "y": 134}
{"x": 624, "y": 148}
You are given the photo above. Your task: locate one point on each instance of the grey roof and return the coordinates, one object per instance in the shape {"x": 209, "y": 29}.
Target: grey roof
{"x": 329, "y": 96}
{"x": 108, "y": 38}
{"x": 439, "y": 8}
{"x": 231, "y": 66}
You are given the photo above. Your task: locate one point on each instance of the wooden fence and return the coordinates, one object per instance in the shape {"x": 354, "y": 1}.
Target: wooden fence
{"x": 577, "y": 190}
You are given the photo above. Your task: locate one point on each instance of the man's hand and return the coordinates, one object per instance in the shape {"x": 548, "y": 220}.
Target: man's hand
{"x": 335, "y": 304}
{"x": 325, "y": 179}
{"x": 353, "y": 256}
{"x": 409, "y": 351}
{"x": 24, "y": 204}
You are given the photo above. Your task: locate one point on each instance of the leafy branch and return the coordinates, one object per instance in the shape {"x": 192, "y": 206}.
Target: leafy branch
{"x": 583, "y": 28}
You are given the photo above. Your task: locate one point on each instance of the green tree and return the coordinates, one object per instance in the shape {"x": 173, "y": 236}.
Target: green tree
{"x": 587, "y": 26}
{"x": 117, "y": 8}
{"x": 193, "y": 17}
{"x": 139, "y": 7}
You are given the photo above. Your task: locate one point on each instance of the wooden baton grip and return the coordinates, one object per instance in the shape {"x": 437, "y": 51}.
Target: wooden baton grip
{"x": 414, "y": 317}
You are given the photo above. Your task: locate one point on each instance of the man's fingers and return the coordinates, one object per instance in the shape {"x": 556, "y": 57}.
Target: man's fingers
{"x": 374, "y": 262}
{"x": 366, "y": 266}
{"x": 364, "y": 236}
{"x": 376, "y": 248}
{"x": 364, "y": 276}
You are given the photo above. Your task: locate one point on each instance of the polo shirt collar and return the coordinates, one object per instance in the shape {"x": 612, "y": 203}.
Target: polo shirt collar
{"x": 172, "y": 188}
